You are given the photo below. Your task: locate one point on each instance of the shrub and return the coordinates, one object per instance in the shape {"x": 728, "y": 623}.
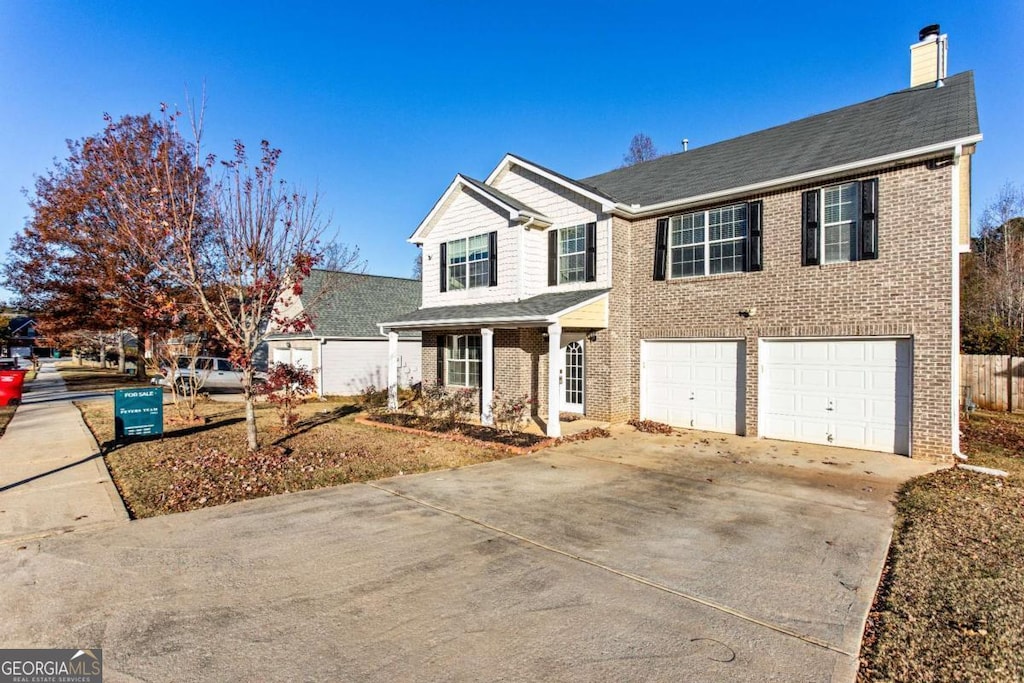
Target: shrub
{"x": 286, "y": 387}
{"x": 374, "y": 400}
{"x": 510, "y": 413}
{"x": 446, "y": 408}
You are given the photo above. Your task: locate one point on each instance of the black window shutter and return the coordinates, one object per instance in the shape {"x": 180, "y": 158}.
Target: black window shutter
{"x": 492, "y": 255}
{"x": 552, "y": 258}
{"x": 867, "y": 247}
{"x": 444, "y": 267}
{"x": 440, "y": 358}
{"x": 752, "y": 260}
{"x": 811, "y": 230}
{"x": 591, "y": 242}
{"x": 660, "y": 248}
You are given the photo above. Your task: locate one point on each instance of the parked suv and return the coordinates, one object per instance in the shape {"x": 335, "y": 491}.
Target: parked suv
{"x": 218, "y": 374}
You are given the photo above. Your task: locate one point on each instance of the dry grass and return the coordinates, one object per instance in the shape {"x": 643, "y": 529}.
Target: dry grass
{"x": 204, "y": 465}
{"x": 6, "y": 413}
{"x": 951, "y": 603}
{"x": 84, "y": 378}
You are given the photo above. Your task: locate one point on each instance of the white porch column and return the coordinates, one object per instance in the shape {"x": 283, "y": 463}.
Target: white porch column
{"x": 486, "y": 375}
{"x": 392, "y": 370}
{"x": 554, "y": 379}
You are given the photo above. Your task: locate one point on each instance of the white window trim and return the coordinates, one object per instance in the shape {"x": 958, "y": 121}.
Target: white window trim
{"x": 855, "y": 221}
{"x": 451, "y": 343}
{"x": 707, "y": 243}
{"x": 466, "y": 279}
{"x": 583, "y": 251}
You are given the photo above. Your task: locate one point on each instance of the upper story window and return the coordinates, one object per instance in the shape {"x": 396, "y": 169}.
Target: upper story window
{"x": 470, "y": 262}
{"x": 572, "y": 254}
{"x": 726, "y": 239}
{"x": 840, "y": 223}
{"x": 462, "y": 359}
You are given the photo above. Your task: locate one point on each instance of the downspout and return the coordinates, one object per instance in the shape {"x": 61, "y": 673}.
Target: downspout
{"x": 521, "y": 257}
{"x": 955, "y": 337}
{"x": 320, "y": 375}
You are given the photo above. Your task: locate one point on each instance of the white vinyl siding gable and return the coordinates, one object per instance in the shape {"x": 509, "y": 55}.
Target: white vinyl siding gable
{"x": 467, "y": 215}
{"x": 566, "y": 209}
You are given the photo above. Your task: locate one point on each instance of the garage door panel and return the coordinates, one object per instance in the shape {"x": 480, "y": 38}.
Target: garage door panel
{"x": 694, "y": 384}
{"x": 848, "y": 392}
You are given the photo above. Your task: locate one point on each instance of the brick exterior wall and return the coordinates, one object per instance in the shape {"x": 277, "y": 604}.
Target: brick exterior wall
{"x": 906, "y": 292}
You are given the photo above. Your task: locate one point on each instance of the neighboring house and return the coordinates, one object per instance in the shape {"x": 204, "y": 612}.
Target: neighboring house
{"x": 798, "y": 283}
{"x": 345, "y": 346}
{"x": 19, "y": 337}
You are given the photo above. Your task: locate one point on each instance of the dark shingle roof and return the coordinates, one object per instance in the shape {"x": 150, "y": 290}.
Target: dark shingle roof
{"x": 898, "y": 122}
{"x": 538, "y": 308}
{"x": 352, "y": 304}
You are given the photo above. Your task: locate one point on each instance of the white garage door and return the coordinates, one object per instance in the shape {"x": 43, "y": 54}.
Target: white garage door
{"x": 844, "y": 392}
{"x": 698, "y": 384}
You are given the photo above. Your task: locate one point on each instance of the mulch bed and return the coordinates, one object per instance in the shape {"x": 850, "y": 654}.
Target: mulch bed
{"x": 516, "y": 442}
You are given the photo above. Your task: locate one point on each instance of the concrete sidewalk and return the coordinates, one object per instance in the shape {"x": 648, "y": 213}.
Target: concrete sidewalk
{"x": 52, "y": 477}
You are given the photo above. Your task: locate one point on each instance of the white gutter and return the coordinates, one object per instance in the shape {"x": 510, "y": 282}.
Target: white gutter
{"x": 634, "y": 211}
{"x": 955, "y": 337}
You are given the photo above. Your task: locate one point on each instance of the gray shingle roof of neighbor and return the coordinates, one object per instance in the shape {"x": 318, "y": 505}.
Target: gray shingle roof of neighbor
{"x": 352, "y": 304}
{"x": 501, "y": 196}
{"x": 899, "y": 122}
{"x": 538, "y": 307}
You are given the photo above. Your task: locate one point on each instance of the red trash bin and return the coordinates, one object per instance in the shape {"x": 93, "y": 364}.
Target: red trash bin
{"x": 11, "y": 383}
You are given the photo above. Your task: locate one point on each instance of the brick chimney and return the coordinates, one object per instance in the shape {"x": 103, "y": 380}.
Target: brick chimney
{"x": 928, "y": 57}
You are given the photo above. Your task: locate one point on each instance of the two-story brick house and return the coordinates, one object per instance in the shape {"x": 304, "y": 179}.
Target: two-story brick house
{"x": 798, "y": 283}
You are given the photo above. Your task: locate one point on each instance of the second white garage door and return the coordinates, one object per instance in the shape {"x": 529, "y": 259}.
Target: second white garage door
{"x": 844, "y": 392}
{"x": 697, "y": 384}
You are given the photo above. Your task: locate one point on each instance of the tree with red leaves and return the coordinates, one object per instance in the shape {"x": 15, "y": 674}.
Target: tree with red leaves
{"x": 241, "y": 250}
{"x": 72, "y": 263}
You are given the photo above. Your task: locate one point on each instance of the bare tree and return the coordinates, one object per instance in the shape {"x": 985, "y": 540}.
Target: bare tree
{"x": 417, "y": 267}
{"x": 641, "y": 149}
{"x": 240, "y": 248}
{"x": 992, "y": 293}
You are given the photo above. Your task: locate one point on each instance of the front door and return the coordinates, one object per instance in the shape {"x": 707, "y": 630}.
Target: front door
{"x": 572, "y": 378}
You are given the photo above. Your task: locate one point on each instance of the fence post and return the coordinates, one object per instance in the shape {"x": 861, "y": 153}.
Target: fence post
{"x": 1009, "y": 384}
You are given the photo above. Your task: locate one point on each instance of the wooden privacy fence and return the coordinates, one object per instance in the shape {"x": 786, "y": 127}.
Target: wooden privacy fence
{"x": 993, "y": 382}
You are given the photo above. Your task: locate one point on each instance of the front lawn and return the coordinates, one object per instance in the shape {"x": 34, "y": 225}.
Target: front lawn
{"x": 196, "y": 466}
{"x": 951, "y": 603}
{"x": 85, "y": 378}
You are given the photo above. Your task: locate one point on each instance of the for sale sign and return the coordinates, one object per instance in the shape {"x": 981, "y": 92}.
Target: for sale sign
{"x": 138, "y": 412}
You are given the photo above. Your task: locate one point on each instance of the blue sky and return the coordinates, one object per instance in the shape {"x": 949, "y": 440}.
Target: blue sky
{"x": 379, "y": 105}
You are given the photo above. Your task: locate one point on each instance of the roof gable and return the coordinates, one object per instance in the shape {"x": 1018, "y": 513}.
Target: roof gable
{"x": 516, "y": 210}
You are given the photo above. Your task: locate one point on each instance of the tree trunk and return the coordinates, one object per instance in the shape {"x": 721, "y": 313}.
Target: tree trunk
{"x": 252, "y": 438}
{"x": 121, "y": 367}
{"x": 140, "y": 354}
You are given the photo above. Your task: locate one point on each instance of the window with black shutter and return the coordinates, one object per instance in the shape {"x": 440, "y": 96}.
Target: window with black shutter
{"x": 725, "y": 239}
{"x": 840, "y": 223}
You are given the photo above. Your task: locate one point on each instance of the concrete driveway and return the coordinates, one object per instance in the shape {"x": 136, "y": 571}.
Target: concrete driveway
{"x": 683, "y": 558}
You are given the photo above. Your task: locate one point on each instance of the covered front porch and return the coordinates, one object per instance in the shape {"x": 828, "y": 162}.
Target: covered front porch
{"x": 461, "y": 342}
